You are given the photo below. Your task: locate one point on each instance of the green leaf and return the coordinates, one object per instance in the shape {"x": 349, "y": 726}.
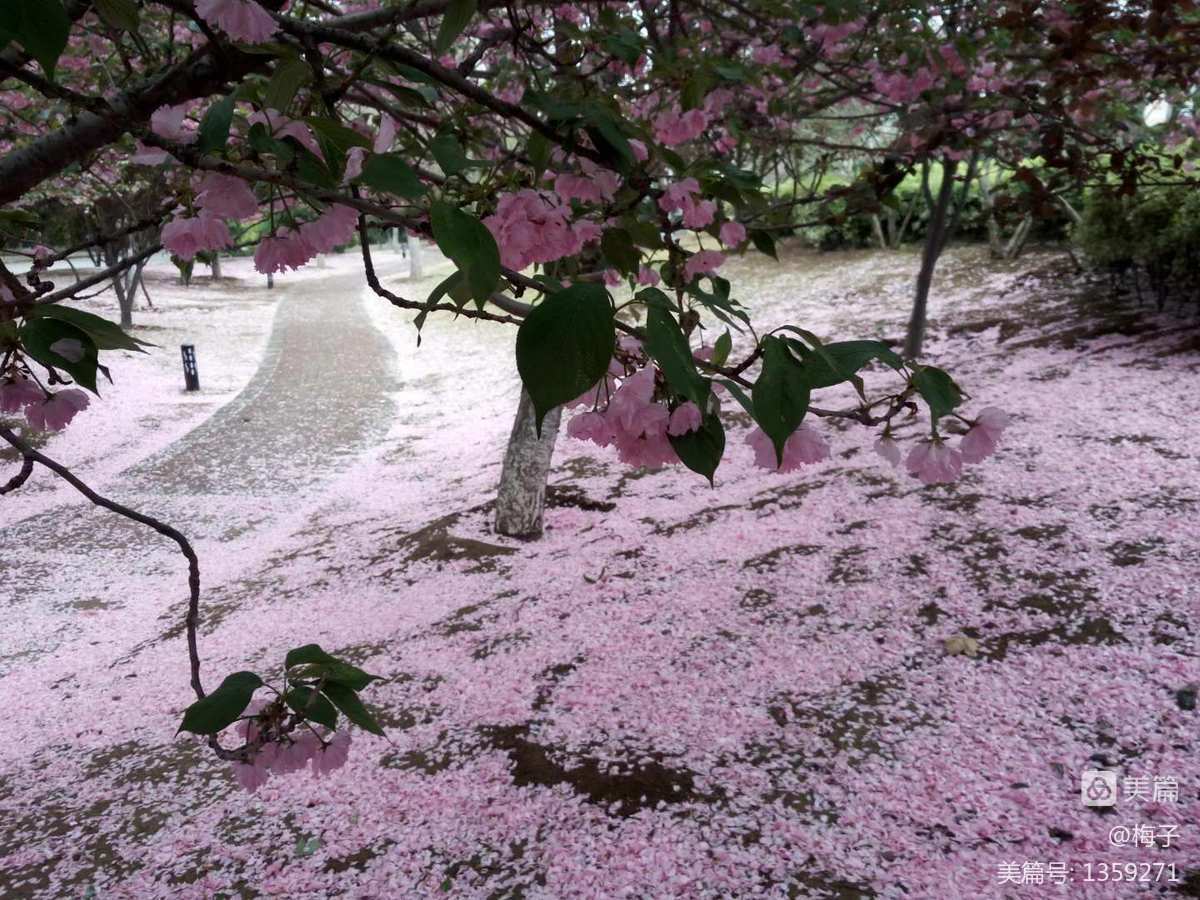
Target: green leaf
{"x": 764, "y": 243}
{"x": 466, "y": 241}
{"x": 457, "y": 16}
{"x": 308, "y": 166}
{"x": 938, "y": 389}
{"x": 538, "y": 150}
{"x": 667, "y": 345}
{"x": 289, "y": 75}
{"x": 222, "y": 707}
{"x": 618, "y": 248}
{"x": 320, "y": 711}
{"x": 390, "y": 174}
{"x": 847, "y": 357}
{"x": 735, "y": 391}
{"x": 722, "y": 349}
{"x": 348, "y": 702}
{"x": 21, "y": 218}
{"x": 40, "y": 26}
{"x": 565, "y": 345}
{"x": 609, "y": 142}
{"x": 701, "y": 450}
{"x": 39, "y": 334}
{"x": 214, "y": 127}
{"x": 347, "y": 675}
{"x": 309, "y": 654}
{"x": 449, "y": 153}
{"x": 121, "y": 14}
{"x": 335, "y": 140}
{"x": 104, "y": 334}
{"x": 781, "y": 394}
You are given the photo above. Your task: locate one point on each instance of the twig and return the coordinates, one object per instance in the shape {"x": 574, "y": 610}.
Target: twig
{"x": 193, "y": 615}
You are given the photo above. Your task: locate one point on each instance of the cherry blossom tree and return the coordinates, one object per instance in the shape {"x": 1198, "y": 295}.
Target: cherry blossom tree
{"x": 587, "y": 167}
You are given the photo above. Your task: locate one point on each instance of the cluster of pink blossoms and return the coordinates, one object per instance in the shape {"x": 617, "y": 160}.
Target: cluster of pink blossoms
{"x": 936, "y": 462}
{"x": 672, "y": 127}
{"x": 632, "y": 422}
{"x": 683, "y": 196}
{"x": 242, "y": 20}
{"x": 317, "y": 751}
{"x": 43, "y": 411}
{"x": 634, "y": 418}
{"x": 532, "y": 228}
{"x": 189, "y": 235}
{"x": 295, "y": 247}
{"x": 226, "y": 196}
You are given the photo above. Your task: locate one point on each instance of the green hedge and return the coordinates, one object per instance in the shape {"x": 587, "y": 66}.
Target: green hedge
{"x": 1155, "y": 232}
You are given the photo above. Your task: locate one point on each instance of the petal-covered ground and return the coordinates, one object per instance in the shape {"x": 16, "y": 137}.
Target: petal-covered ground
{"x": 679, "y": 691}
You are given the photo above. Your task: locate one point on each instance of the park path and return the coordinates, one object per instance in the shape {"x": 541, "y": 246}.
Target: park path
{"x": 319, "y": 398}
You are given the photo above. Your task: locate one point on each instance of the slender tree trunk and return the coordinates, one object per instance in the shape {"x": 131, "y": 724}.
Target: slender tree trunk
{"x": 960, "y": 205}
{"x": 522, "y": 493}
{"x": 995, "y": 241}
{"x": 1016, "y": 244}
{"x": 216, "y": 266}
{"x": 934, "y": 240}
{"x": 877, "y": 227}
{"x": 415, "y": 267}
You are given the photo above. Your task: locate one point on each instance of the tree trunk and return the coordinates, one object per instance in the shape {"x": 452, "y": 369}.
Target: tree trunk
{"x": 522, "y": 493}
{"x": 415, "y": 268}
{"x": 1017, "y": 243}
{"x": 216, "y": 266}
{"x": 961, "y": 204}
{"x": 877, "y": 227}
{"x": 270, "y": 280}
{"x": 934, "y": 240}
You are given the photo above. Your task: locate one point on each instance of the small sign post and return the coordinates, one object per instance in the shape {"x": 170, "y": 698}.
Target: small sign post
{"x": 191, "y": 375}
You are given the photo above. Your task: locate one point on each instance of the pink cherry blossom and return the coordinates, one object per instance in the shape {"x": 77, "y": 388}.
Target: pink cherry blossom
{"x": 530, "y": 228}
{"x": 386, "y": 135}
{"x": 250, "y": 776}
{"x": 887, "y": 448}
{"x": 288, "y": 250}
{"x": 685, "y": 418}
{"x": 334, "y": 227}
{"x": 733, "y": 234}
{"x": 148, "y": 156}
{"x": 333, "y": 755}
{"x": 16, "y": 395}
{"x": 700, "y": 214}
{"x": 226, "y": 196}
{"x": 648, "y": 276}
{"x": 56, "y": 412}
{"x": 242, "y": 20}
{"x": 703, "y": 263}
{"x": 185, "y": 237}
{"x": 591, "y": 426}
{"x": 675, "y": 196}
{"x": 671, "y": 128}
{"x": 41, "y": 255}
{"x": 804, "y": 447}
{"x": 355, "y": 157}
{"x": 980, "y": 441}
{"x": 934, "y": 463}
{"x": 169, "y": 122}
{"x": 639, "y": 150}
{"x": 281, "y": 126}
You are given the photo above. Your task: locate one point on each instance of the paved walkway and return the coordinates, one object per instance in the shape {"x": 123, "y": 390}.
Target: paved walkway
{"x": 320, "y": 397}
